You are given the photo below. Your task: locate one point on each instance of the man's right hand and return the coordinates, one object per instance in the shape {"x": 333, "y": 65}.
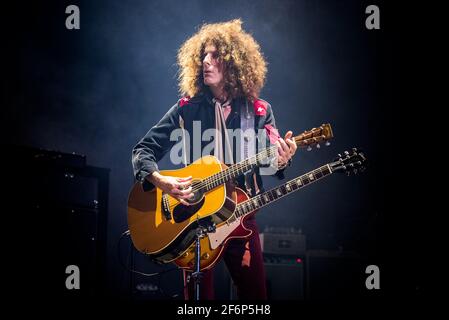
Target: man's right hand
{"x": 179, "y": 188}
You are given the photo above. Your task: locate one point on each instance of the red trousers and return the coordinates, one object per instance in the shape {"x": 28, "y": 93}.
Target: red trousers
{"x": 244, "y": 260}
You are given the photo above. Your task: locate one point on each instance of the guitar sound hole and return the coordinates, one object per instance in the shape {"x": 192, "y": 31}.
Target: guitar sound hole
{"x": 182, "y": 212}
{"x": 196, "y": 197}
{"x": 198, "y": 194}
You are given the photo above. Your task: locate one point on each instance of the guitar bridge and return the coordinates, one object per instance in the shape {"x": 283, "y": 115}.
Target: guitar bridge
{"x": 166, "y": 207}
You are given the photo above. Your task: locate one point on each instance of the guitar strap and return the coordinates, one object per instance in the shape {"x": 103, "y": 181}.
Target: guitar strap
{"x": 184, "y": 150}
{"x": 248, "y": 145}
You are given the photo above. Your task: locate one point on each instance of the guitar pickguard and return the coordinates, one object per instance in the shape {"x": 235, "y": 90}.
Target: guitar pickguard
{"x": 216, "y": 238}
{"x": 182, "y": 212}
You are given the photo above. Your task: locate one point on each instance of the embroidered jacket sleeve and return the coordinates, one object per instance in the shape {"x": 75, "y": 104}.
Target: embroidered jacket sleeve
{"x": 154, "y": 145}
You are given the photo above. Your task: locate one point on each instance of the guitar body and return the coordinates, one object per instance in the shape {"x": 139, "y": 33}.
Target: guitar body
{"x": 213, "y": 246}
{"x": 163, "y": 228}
{"x": 153, "y": 234}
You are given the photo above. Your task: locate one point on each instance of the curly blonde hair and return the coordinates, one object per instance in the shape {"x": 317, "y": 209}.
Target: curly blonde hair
{"x": 244, "y": 65}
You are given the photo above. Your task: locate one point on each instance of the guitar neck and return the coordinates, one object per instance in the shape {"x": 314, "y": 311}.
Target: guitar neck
{"x": 238, "y": 169}
{"x": 275, "y": 194}
{"x": 303, "y": 140}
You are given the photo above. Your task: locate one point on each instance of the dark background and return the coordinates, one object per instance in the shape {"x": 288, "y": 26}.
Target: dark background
{"x": 96, "y": 91}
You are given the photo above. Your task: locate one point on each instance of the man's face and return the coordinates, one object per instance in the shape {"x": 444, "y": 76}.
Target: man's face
{"x": 212, "y": 67}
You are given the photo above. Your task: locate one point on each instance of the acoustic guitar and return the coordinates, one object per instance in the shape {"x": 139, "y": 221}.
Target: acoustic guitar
{"x": 163, "y": 228}
{"x": 213, "y": 245}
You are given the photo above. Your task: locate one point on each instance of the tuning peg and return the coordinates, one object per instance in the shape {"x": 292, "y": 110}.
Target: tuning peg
{"x": 309, "y": 148}
{"x": 355, "y": 171}
{"x": 318, "y": 146}
{"x": 346, "y": 153}
{"x": 327, "y": 144}
{"x": 354, "y": 149}
{"x": 339, "y": 155}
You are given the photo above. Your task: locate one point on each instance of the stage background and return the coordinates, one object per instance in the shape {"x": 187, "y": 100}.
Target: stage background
{"x": 96, "y": 91}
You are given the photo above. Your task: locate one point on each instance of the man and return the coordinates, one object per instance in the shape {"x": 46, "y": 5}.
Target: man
{"x": 221, "y": 74}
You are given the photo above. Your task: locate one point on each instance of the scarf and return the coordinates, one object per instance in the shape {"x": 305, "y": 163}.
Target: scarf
{"x": 220, "y": 126}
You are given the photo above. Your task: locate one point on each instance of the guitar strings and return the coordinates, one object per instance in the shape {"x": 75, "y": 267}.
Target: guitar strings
{"x": 232, "y": 170}
{"x": 208, "y": 182}
{"x": 242, "y": 209}
{"x": 242, "y": 205}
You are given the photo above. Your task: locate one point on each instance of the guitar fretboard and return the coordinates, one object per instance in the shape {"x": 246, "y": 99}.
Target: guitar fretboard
{"x": 236, "y": 170}
{"x": 274, "y": 194}
{"x": 305, "y": 139}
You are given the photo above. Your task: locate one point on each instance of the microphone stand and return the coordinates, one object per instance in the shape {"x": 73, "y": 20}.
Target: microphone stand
{"x": 201, "y": 232}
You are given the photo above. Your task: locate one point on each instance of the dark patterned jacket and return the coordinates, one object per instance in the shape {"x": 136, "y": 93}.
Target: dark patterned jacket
{"x": 156, "y": 143}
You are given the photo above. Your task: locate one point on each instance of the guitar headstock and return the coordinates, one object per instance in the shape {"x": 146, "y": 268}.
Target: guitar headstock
{"x": 353, "y": 161}
{"x": 315, "y": 136}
